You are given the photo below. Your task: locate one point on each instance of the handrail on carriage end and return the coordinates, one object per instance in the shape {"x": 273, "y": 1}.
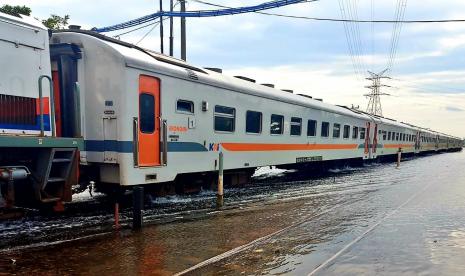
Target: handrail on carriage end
{"x": 41, "y": 106}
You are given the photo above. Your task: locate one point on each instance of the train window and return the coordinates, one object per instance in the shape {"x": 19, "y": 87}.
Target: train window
{"x": 354, "y": 132}
{"x": 277, "y": 124}
{"x": 147, "y": 113}
{"x": 311, "y": 128}
{"x": 296, "y": 126}
{"x": 336, "y": 130}
{"x": 384, "y": 135}
{"x": 225, "y": 118}
{"x": 346, "y": 132}
{"x": 253, "y": 122}
{"x": 185, "y": 106}
{"x": 362, "y": 133}
{"x": 397, "y": 136}
{"x": 389, "y": 136}
{"x": 324, "y": 129}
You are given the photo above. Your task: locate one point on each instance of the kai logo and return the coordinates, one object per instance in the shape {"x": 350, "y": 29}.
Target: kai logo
{"x": 213, "y": 147}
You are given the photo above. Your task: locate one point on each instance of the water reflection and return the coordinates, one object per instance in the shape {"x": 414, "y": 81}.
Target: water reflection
{"x": 328, "y": 212}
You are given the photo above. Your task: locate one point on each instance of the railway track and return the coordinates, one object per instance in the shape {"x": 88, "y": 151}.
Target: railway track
{"x": 91, "y": 216}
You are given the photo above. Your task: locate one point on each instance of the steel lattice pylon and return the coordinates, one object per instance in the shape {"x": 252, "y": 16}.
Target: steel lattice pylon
{"x": 374, "y": 97}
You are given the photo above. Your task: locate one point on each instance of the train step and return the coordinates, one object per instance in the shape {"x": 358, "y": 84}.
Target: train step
{"x": 54, "y": 173}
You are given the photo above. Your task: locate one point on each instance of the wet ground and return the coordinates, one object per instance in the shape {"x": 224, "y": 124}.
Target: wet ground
{"x": 371, "y": 220}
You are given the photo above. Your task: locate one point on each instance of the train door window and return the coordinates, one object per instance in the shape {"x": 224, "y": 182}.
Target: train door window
{"x": 147, "y": 113}
{"x": 296, "y": 126}
{"x": 324, "y": 129}
{"x": 225, "y": 118}
{"x": 253, "y": 122}
{"x": 184, "y": 106}
{"x": 354, "y": 132}
{"x": 346, "y": 132}
{"x": 336, "y": 130}
{"x": 277, "y": 124}
{"x": 362, "y": 133}
{"x": 311, "y": 128}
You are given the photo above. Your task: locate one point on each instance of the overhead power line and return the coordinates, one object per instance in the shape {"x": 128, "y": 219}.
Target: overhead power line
{"x": 342, "y": 20}
{"x": 204, "y": 13}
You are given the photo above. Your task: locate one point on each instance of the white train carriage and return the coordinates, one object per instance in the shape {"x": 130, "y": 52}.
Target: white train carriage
{"x": 147, "y": 118}
{"x": 24, "y": 58}
{"x": 33, "y": 161}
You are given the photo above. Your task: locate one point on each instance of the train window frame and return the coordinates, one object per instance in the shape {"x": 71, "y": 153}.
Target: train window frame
{"x": 324, "y": 126}
{"x": 282, "y": 124}
{"x": 344, "y": 128}
{"x": 151, "y": 114}
{"x": 362, "y": 130}
{"x": 261, "y": 122}
{"x": 315, "y": 127}
{"x": 184, "y": 111}
{"x": 338, "y": 129}
{"x": 299, "y": 124}
{"x": 355, "y": 132}
{"x": 224, "y": 115}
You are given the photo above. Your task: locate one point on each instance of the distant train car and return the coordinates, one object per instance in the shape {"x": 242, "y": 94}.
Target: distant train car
{"x": 150, "y": 118}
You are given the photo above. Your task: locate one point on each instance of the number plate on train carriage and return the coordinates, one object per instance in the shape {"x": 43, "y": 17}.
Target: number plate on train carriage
{"x": 308, "y": 159}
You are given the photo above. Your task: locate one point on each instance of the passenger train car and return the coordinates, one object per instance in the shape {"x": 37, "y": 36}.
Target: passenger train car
{"x": 146, "y": 118}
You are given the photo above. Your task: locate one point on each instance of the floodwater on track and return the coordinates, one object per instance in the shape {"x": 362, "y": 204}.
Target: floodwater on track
{"x": 370, "y": 220}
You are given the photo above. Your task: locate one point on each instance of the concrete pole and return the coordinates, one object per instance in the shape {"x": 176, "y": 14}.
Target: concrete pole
{"x": 162, "y": 48}
{"x": 137, "y": 206}
{"x": 183, "y": 31}
{"x": 116, "y": 215}
{"x": 399, "y": 156}
{"x": 171, "y": 30}
{"x": 220, "y": 193}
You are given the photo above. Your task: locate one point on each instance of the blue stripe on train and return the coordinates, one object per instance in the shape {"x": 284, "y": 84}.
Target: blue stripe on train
{"x": 29, "y": 127}
{"x": 127, "y": 146}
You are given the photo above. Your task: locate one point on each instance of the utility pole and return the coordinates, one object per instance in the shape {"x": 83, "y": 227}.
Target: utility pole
{"x": 162, "y": 48}
{"x": 171, "y": 29}
{"x": 374, "y": 102}
{"x": 183, "y": 30}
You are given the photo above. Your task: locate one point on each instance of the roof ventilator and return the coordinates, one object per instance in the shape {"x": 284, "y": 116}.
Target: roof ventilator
{"x": 217, "y": 70}
{"x": 245, "y": 78}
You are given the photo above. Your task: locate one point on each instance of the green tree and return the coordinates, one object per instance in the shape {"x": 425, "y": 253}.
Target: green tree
{"x": 15, "y": 10}
{"x": 54, "y": 22}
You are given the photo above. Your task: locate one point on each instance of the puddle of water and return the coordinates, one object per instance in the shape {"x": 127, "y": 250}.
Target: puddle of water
{"x": 359, "y": 197}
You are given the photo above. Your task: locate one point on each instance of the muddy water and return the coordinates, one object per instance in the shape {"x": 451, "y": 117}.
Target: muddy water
{"x": 415, "y": 213}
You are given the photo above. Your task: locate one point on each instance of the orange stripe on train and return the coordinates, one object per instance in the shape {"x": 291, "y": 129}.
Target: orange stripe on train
{"x": 396, "y": 146}
{"x": 278, "y": 147}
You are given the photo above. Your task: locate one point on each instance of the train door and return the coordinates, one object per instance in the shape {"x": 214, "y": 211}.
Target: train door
{"x": 149, "y": 122}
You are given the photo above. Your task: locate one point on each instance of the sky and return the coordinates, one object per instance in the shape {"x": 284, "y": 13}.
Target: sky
{"x": 427, "y": 77}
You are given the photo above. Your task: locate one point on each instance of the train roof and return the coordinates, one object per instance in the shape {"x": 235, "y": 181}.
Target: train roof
{"x": 22, "y": 20}
{"x": 138, "y": 57}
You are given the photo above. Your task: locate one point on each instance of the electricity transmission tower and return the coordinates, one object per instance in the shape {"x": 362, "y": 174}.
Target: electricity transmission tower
{"x": 374, "y": 99}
